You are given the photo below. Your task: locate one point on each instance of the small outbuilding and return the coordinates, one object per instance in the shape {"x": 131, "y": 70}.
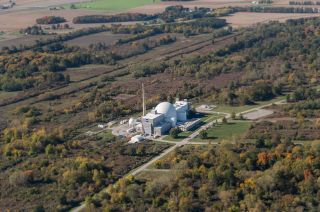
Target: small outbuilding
{"x": 136, "y": 139}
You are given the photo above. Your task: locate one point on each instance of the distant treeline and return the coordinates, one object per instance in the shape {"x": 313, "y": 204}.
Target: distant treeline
{"x": 51, "y": 20}
{"x": 170, "y": 14}
{"x": 34, "y": 30}
{"x": 261, "y": 9}
{"x": 177, "y": 0}
{"x": 304, "y": 2}
{"x": 59, "y": 38}
{"x": 173, "y": 13}
{"x": 264, "y": 2}
{"x": 123, "y": 17}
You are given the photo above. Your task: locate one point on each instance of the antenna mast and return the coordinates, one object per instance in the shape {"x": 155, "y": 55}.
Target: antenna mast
{"x": 143, "y": 101}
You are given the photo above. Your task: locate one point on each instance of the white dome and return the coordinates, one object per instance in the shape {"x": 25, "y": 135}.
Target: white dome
{"x": 169, "y": 111}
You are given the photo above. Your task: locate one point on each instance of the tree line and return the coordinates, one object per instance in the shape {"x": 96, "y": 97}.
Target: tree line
{"x": 122, "y": 17}
{"x": 50, "y": 20}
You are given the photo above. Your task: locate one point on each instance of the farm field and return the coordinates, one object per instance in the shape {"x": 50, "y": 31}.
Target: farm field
{"x": 114, "y": 5}
{"x": 159, "y": 7}
{"x": 245, "y": 19}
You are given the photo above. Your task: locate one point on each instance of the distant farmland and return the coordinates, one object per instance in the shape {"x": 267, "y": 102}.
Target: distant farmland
{"x": 114, "y": 5}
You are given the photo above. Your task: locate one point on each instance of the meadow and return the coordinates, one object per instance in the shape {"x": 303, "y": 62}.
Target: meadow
{"x": 225, "y": 131}
{"x": 114, "y": 5}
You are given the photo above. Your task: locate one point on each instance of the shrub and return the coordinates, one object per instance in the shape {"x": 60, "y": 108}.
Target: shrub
{"x": 203, "y": 134}
{"x": 174, "y": 132}
{"x": 19, "y": 178}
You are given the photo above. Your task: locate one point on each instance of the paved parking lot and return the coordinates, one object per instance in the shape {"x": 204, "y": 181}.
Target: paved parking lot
{"x": 257, "y": 114}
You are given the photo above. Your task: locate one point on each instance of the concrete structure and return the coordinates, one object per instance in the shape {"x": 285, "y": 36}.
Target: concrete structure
{"x": 102, "y": 126}
{"x": 189, "y": 125}
{"x": 205, "y": 108}
{"x": 136, "y": 139}
{"x": 164, "y": 117}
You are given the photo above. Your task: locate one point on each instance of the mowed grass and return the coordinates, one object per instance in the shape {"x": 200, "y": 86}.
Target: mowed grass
{"x": 181, "y": 136}
{"x": 205, "y": 120}
{"x": 114, "y": 5}
{"x": 225, "y": 131}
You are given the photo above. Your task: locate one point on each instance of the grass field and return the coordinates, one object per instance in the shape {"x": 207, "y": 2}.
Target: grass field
{"x": 181, "y": 136}
{"x": 114, "y": 5}
{"x": 205, "y": 119}
{"x": 226, "y": 131}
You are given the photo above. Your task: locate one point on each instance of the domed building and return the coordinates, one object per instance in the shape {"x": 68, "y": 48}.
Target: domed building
{"x": 169, "y": 111}
{"x": 164, "y": 117}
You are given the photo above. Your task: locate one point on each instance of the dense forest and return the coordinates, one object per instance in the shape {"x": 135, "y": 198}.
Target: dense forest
{"x": 266, "y": 175}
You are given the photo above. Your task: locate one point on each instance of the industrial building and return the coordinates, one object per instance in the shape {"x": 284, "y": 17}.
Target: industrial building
{"x": 164, "y": 117}
{"x": 161, "y": 119}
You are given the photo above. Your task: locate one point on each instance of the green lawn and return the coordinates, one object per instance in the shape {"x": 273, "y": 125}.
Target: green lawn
{"x": 205, "y": 119}
{"x": 209, "y": 118}
{"x": 181, "y": 136}
{"x": 226, "y": 131}
{"x": 114, "y": 5}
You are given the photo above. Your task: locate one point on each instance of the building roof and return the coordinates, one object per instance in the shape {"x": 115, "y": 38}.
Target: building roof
{"x": 152, "y": 115}
{"x": 168, "y": 110}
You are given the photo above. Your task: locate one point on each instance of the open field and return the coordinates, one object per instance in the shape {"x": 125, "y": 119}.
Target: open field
{"x": 104, "y": 37}
{"x": 226, "y": 131}
{"x": 114, "y": 5}
{"x": 159, "y": 7}
{"x": 181, "y": 136}
{"x": 26, "y": 12}
{"x": 244, "y": 19}
{"x": 15, "y": 20}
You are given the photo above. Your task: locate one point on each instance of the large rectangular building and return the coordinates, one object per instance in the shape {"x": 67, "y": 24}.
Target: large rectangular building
{"x": 164, "y": 117}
